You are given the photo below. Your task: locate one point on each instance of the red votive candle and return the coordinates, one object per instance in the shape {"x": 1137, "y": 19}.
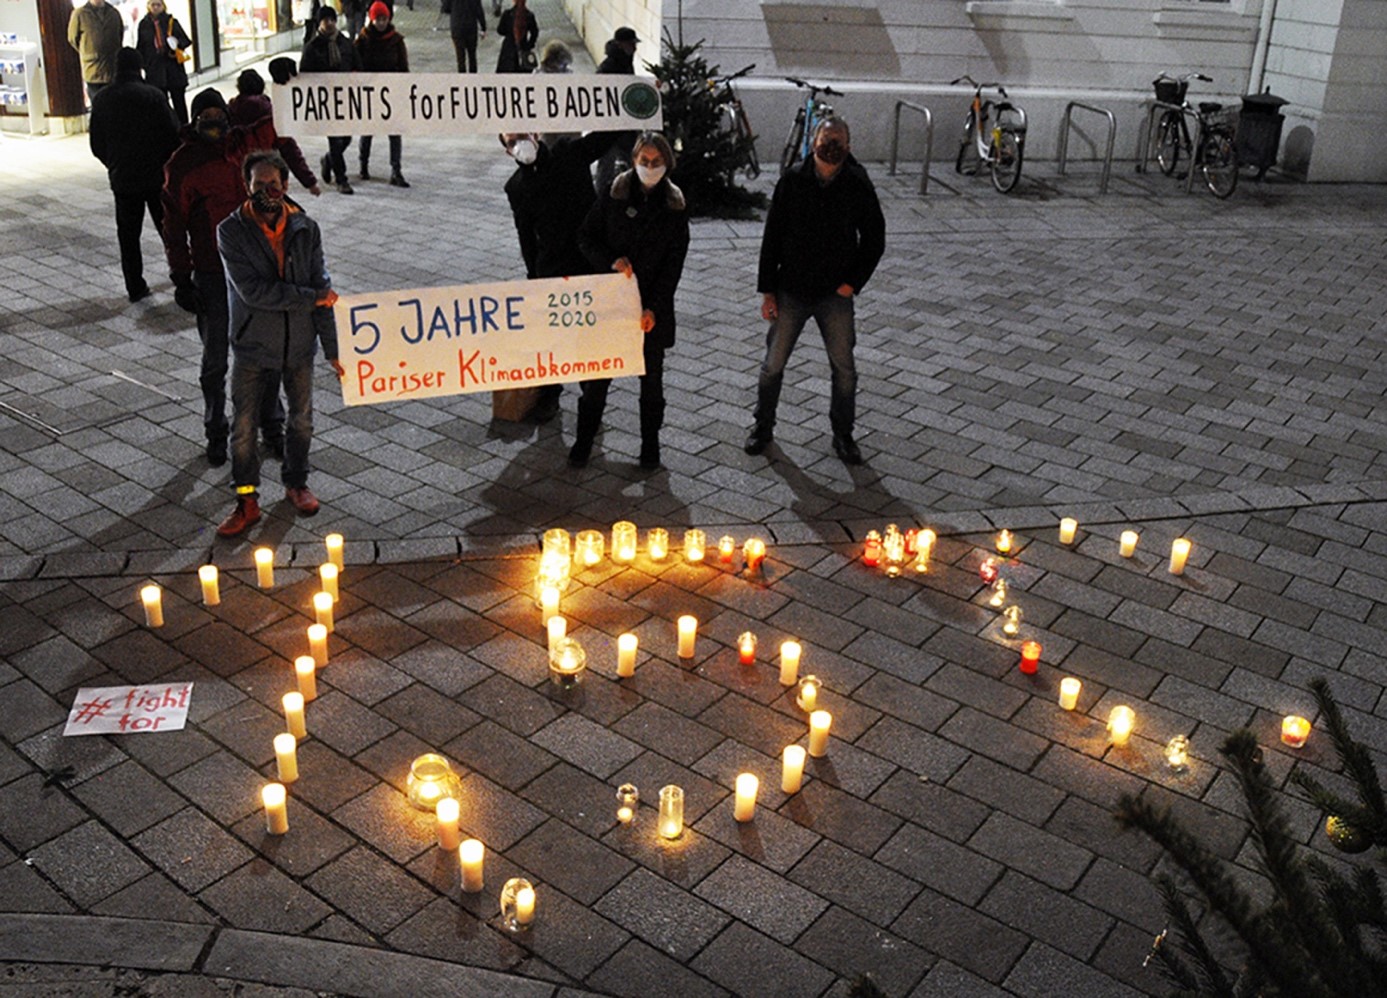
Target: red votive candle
{"x": 1030, "y": 656}
{"x": 871, "y": 548}
{"x": 746, "y": 648}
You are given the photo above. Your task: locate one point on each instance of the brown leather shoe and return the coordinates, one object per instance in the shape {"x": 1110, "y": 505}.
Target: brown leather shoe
{"x": 304, "y": 501}
{"x": 242, "y": 518}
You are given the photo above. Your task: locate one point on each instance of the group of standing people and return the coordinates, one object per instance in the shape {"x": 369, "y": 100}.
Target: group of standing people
{"x": 96, "y": 30}
{"x": 517, "y": 28}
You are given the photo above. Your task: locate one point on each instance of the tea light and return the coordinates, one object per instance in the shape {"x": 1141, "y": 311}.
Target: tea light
{"x": 293, "y": 714}
{"x": 286, "y": 757}
{"x": 912, "y": 540}
{"x": 1177, "y": 753}
{"x": 517, "y": 904}
{"x": 567, "y": 663}
{"x": 1120, "y": 723}
{"x": 557, "y": 627}
{"x": 688, "y": 633}
{"x": 306, "y": 677}
{"x": 987, "y": 570}
{"x": 626, "y": 646}
{"x": 317, "y": 644}
{"x": 695, "y": 544}
{"x": 808, "y": 695}
{"x": 623, "y": 542}
{"x": 548, "y": 603}
{"x": 430, "y": 780}
{"x": 275, "y": 799}
{"x": 334, "y": 544}
{"x": 627, "y": 796}
{"x": 744, "y": 809}
{"x": 999, "y": 593}
{"x": 589, "y": 545}
{"x": 746, "y": 648}
{"x": 753, "y": 554}
{"x": 924, "y": 549}
{"x": 1004, "y": 542}
{"x": 1127, "y": 543}
{"x": 1069, "y": 692}
{"x": 1030, "y": 657}
{"x": 265, "y": 568}
{"x": 152, "y": 597}
{"x": 211, "y": 588}
{"x": 1011, "y": 621}
{"x": 446, "y": 814}
{"x": 726, "y": 547}
{"x": 671, "y": 819}
{"x": 871, "y": 549}
{"x": 1179, "y": 551}
{"x": 322, "y": 609}
{"x": 792, "y": 768}
{"x": 819, "y": 723}
{"x": 1067, "y": 528}
{"x": 657, "y": 543}
{"x": 556, "y": 543}
{"x": 1294, "y": 731}
{"x": 789, "y": 662}
{"x": 471, "y": 857}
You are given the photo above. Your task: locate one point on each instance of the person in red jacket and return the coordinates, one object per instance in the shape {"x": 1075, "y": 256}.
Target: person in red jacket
{"x": 249, "y": 106}
{"x": 381, "y": 49}
{"x": 202, "y": 185}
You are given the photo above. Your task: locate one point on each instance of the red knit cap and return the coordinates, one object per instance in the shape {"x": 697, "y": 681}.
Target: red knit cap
{"x": 378, "y": 9}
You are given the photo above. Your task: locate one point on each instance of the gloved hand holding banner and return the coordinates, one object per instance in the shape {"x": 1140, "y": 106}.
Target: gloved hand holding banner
{"x": 426, "y": 342}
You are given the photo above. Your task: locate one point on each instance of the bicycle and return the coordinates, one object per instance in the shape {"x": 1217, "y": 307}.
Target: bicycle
{"x": 1216, "y": 155}
{"x": 737, "y": 126}
{"x": 1002, "y": 146}
{"x": 800, "y": 142}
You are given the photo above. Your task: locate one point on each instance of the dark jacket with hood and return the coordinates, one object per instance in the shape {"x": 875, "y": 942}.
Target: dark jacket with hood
{"x": 465, "y": 19}
{"x": 248, "y": 109}
{"x": 96, "y": 33}
{"x": 549, "y": 200}
{"x": 382, "y": 51}
{"x": 649, "y": 228}
{"x": 132, "y": 132}
{"x": 317, "y": 54}
{"x": 509, "y": 59}
{"x": 161, "y": 66}
{"x": 617, "y": 61}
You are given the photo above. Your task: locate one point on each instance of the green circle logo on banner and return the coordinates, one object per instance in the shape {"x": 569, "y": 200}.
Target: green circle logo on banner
{"x": 640, "y": 100}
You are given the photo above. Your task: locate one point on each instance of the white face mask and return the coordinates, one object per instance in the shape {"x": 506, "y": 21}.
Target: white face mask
{"x": 650, "y": 175}
{"x": 525, "y": 152}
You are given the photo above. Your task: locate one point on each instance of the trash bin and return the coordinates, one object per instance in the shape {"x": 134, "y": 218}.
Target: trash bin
{"x": 1259, "y": 130}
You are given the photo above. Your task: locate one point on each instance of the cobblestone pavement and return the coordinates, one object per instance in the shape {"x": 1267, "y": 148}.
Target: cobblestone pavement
{"x": 1145, "y": 360}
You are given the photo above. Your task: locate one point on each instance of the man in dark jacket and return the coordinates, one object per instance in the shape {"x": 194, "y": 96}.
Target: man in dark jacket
{"x": 465, "y": 20}
{"x": 281, "y": 309}
{"x": 381, "y": 49}
{"x": 824, "y": 236}
{"x": 95, "y": 30}
{"x": 132, "y": 132}
{"x": 620, "y": 53}
{"x": 330, "y": 51}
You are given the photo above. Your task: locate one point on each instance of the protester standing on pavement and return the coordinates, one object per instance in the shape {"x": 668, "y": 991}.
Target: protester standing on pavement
{"x": 465, "y": 20}
{"x": 132, "y": 132}
{"x": 639, "y": 228}
{"x": 251, "y": 105}
{"x": 518, "y": 31}
{"x": 823, "y": 238}
{"x": 330, "y": 51}
{"x": 281, "y": 309}
{"x": 163, "y": 46}
{"x": 620, "y": 60}
{"x": 94, "y": 30}
{"x": 381, "y": 49}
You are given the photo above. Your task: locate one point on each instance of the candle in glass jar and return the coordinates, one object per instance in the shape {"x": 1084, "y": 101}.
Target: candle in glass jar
{"x": 1179, "y": 551}
{"x": 1120, "y": 723}
{"x": 695, "y": 544}
{"x": 744, "y": 809}
{"x": 626, "y": 646}
{"x": 327, "y": 575}
{"x": 588, "y": 547}
{"x": 671, "y": 818}
{"x": 1068, "y": 526}
{"x": 446, "y": 813}
{"x": 1030, "y": 657}
{"x": 789, "y": 662}
{"x": 293, "y": 715}
{"x": 286, "y": 757}
{"x": 322, "y": 609}
{"x": 1294, "y": 731}
{"x": 305, "y": 676}
{"x": 808, "y": 695}
{"x": 472, "y": 857}
{"x": 754, "y": 553}
{"x": 688, "y": 633}
{"x": 334, "y": 544}
{"x": 557, "y": 628}
{"x": 1127, "y": 543}
{"x": 871, "y": 549}
{"x": 1004, "y": 542}
{"x": 792, "y": 768}
{"x": 1011, "y": 620}
{"x": 211, "y": 587}
{"x": 276, "y": 802}
{"x": 726, "y": 547}
{"x": 1069, "y": 692}
{"x": 924, "y": 548}
{"x": 265, "y": 568}
{"x": 819, "y": 723}
{"x": 623, "y": 542}
{"x": 152, "y": 598}
{"x": 746, "y": 648}
{"x": 657, "y": 543}
{"x": 548, "y": 603}
{"x": 317, "y": 644}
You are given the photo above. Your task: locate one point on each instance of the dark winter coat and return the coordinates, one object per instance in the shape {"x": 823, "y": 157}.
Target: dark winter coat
{"x": 509, "y": 59}
{"x": 465, "y": 19}
{"x": 316, "y": 57}
{"x": 817, "y": 236}
{"x": 161, "y": 66}
{"x": 247, "y": 109}
{"x": 382, "y": 51}
{"x": 549, "y": 201}
{"x": 96, "y": 33}
{"x": 132, "y": 132}
{"x": 618, "y": 61}
{"x": 649, "y": 228}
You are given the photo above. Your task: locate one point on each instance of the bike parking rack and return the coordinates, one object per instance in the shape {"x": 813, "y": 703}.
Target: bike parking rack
{"x": 1144, "y": 139}
{"x": 929, "y": 140}
{"x": 1064, "y": 139}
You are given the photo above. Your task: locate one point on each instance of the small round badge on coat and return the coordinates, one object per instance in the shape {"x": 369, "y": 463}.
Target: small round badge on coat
{"x": 631, "y": 212}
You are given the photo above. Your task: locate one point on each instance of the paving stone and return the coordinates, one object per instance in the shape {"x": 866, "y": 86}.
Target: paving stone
{"x": 637, "y": 970}
{"x": 384, "y": 818}
{"x": 672, "y": 920}
{"x": 221, "y": 785}
{"x": 257, "y": 896}
{"x": 1029, "y": 850}
{"x": 32, "y": 813}
{"x": 154, "y": 896}
{"x": 918, "y": 751}
{"x": 586, "y": 745}
{"x": 993, "y": 738}
{"x": 1043, "y": 969}
{"x": 948, "y": 981}
{"x": 191, "y": 849}
{"x": 373, "y": 891}
{"x": 128, "y": 798}
{"x": 98, "y": 941}
{"x": 1046, "y": 914}
{"x": 25, "y": 891}
{"x": 741, "y": 954}
{"x": 959, "y": 934}
{"x": 445, "y": 931}
{"x": 854, "y": 947}
{"x": 860, "y": 885}
{"x": 574, "y": 863}
{"x": 1006, "y": 790}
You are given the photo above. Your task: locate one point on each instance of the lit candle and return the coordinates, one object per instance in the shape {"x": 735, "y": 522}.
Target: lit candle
{"x": 688, "y": 632}
{"x": 558, "y": 628}
{"x": 567, "y": 662}
{"x": 446, "y": 820}
{"x": 789, "y": 662}
{"x": 819, "y": 723}
{"x": 317, "y": 643}
{"x": 999, "y": 593}
{"x": 472, "y": 857}
{"x": 525, "y": 906}
{"x": 625, "y": 815}
{"x": 327, "y": 574}
{"x": 626, "y": 646}
{"x": 431, "y": 779}
{"x": 726, "y": 546}
{"x": 334, "y": 550}
{"x": 808, "y": 695}
{"x": 548, "y": 603}
{"x": 746, "y": 648}
{"x": 589, "y": 547}
{"x": 792, "y": 768}
{"x": 1294, "y": 731}
{"x": 657, "y": 543}
{"x": 265, "y": 568}
{"x": 754, "y": 553}
{"x": 1067, "y": 528}
{"x": 1120, "y": 723}
{"x": 623, "y": 542}
{"x": 1030, "y": 657}
{"x": 305, "y": 674}
{"x": 695, "y": 542}
{"x": 293, "y": 715}
{"x": 744, "y": 809}
{"x": 286, "y": 757}
{"x": 1179, "y": 551}
{"x": 871, "y": 549}
{"x": 322, "y": 609}
{"x": 671, "y": 819}
{"x": 924, "y": 548}
{"x": 1004, "y": 542}
{"x": 987, "y": 570}
{"x": 275, "y": 799}
{"x": 1011, "y": 621}
{"x": 1177, "y": 753}
{"x": 1127, "y": 544}
{"x": 627, "y": 796}
{"x": 1069, "y": 692}
{"x": 153, "y": 599}
{"x": 211, "y": 588}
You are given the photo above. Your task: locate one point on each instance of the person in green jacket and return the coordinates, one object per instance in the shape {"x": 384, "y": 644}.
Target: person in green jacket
{"x": 95, "y": 31}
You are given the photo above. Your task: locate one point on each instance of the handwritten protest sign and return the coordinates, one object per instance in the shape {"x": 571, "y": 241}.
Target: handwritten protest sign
{"x": 125, "y": 710}
{"x": 426, "y": 342}
{"x": 462, "y": 104}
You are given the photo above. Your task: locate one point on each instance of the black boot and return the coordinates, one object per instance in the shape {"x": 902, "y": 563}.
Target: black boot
{"x": 397, "y": 179}
{"x": 590, "y": 406}
{"x": 767, "y": 399}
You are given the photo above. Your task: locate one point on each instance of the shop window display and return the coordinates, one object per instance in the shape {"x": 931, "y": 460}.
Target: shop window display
{"x": 244, "y": 21}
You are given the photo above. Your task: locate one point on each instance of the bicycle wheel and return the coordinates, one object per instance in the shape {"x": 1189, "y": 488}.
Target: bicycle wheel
{"x": 1005, "y": 159}
{"x": 789, "y": 156}
{"x": 1219, "y": 161}
{"x": 1168, "y": 142}
{"x": 746, "y": 142}
{"x": 965, "y": 144}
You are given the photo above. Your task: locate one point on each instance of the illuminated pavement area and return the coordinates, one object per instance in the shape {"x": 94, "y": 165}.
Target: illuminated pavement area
{"x": 1146, "y": 360}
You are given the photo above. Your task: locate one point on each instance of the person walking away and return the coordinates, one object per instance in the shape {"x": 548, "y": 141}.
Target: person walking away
{"x": 95, "y": 30}
{"x": 329, "y": 51}
{"x": 823, "y": 238}
{"x": 466, "y": 20}
{"x": 639, "y": 228}
{"x": 555, "y": 58}
{"x": 132, "y": 132}
{"x": 620, "y": 60}
{"x": 163, "y": 46}
{"x": 281, "y": 311}
{"x": 518, "y": 31}
{"x": 202, "y": 185}
{"x": 381, "y": 49}
{"x": 251, "y": 105}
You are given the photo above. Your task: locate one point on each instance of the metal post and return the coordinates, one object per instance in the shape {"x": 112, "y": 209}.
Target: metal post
{"x": 929, "y": 140}
{"x": 1112, "y": 136}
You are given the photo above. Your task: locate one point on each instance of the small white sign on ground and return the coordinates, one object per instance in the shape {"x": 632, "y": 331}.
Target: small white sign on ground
{"x": 129, "y": 710}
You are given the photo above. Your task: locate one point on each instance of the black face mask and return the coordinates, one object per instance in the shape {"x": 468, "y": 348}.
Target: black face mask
{"x": 267, "y": 203}
{"x": 212, "y": 131}
{"x": 831, "y": 153}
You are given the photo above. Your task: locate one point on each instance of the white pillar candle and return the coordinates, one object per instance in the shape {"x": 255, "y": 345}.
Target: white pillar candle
{"x": 276, "y": 802}
{"x": 688, "y": 633}
{"x": 525, "y": 906}
{"x": 789, "y": 662}
{"x": 1120, "y": 722}
{"x": 744, "y": 809}
{"x": 334, "y": 545}
{"x": 548, "y": 603}
{"x": 472, "y": 856}
{"x": 286, "y": 757}
{"x": 557, "y": 628}
{"x": 293, "y": 715}
{"x": 446, "y": 815}
{"x": 1179, "y": 551}
{"x": 1069, "y": 692}
{"x": 1128, "y": 543}
{"x": 265, "y": 568}
{"x": 327, "y": 574}
{"x": 322, "y": 609}
{"x": 211, "y": 587}
{"x": 1067, "y": 528}
{"x": 626, "y": 646}
{"x": 306, "y": 675}
{"x": 792, "y": 768}
{"x": 819, "y": 723}
{"x": 317, "y": 644}
{"x": 152, "y": 597}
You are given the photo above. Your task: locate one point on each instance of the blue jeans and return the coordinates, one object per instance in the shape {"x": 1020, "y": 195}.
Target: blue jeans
{"x": 212, "y": 326}
{"x": 834, "y": 316}
{"x": 250, "y": 387}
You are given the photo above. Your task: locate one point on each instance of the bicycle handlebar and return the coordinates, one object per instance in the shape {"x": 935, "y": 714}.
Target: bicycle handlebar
{"x": 979, "y": 87}
{"x": 814, "y": 88}
{"x": 718, "y": 80}
{"x": 1182, "y": 79}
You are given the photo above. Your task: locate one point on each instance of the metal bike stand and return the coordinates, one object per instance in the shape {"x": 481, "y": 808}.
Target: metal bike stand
{"x": 1144, "y": 139}
{"x": 929, "y": 140}
{"x": 1064, "y": 139}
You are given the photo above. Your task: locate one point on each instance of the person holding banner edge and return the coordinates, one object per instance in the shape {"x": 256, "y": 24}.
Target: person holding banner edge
{"x": 381, "y": 49}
